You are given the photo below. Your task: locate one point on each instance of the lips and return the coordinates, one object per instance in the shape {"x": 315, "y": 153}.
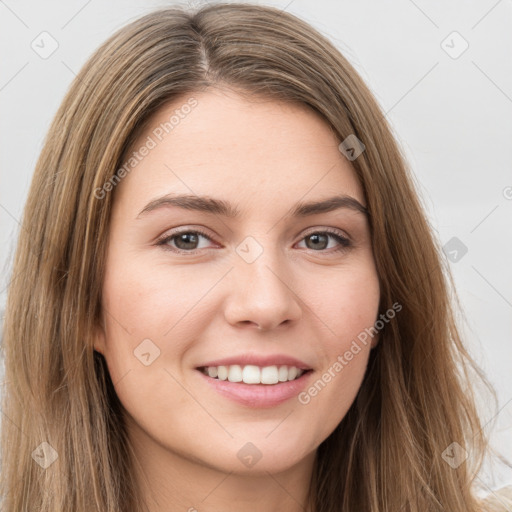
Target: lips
{"x": 260, "y": 395}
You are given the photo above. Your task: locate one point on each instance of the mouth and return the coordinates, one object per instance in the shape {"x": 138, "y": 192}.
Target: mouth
{"x": 256, "y": 386}
{"x": 252, "y": 374}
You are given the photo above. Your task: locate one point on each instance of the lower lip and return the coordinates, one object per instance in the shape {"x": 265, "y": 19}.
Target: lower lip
{"x": 258, "y": 395}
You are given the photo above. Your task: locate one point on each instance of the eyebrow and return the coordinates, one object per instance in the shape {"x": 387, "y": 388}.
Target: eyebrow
{"x": 219, "y": 207}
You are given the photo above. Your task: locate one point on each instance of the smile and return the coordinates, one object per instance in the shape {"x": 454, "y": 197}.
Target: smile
{"x": 251, "y": 374}
{"x": 254, "y": 386}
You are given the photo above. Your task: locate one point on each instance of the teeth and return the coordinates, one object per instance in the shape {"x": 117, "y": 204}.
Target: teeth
{"x": 283, "y": 373}
{"x": 292, "y": 372}
{"x": 235, "y": 373}
{"x": 222, "y": 372}
{"x": 251, "y": 374}
{"x": 269, "y": 375}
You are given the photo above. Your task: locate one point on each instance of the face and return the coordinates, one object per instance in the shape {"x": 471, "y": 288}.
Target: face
{"x": 219, "y": 262}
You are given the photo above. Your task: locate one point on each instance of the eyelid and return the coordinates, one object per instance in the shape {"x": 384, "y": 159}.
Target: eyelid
{"x": 331, "y": 231}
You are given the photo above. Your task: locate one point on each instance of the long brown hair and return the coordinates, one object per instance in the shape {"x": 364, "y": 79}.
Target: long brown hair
{"x": 415, "y": 400}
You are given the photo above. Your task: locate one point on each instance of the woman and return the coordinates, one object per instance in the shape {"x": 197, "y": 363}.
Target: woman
{"x": 226, "y": 295}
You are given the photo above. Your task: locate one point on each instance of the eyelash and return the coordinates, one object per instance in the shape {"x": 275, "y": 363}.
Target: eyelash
{"x": 344, "y": 243}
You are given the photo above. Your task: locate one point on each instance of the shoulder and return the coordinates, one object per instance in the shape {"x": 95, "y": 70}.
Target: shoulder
{"x": 499, "y": 500}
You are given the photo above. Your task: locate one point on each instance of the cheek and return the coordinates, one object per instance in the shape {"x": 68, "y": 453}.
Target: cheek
{"x": 155, "y": 298}
{"x": 345, "y": 302}
{"x": 347, "y": 306}
{"x": 156, "y": 302}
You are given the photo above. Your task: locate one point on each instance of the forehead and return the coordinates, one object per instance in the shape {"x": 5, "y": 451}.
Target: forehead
{"x": 252, "y": 151}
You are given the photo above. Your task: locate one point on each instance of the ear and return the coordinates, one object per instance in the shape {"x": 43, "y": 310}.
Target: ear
{"x": 99, "y": 338}
{"x": 375, "y": 340}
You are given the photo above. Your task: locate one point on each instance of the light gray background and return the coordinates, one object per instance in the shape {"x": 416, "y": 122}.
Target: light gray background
{"x": 453, "y": 117}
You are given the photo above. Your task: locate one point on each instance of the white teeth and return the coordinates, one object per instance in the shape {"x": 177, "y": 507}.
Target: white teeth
{"x": 222, "y": 372}
{"x": 235, "y": 373}
{"x": 269, "y": 375}
{"x": 292, "y": 372}
{"x": 251, "y": 374}
{"x": 283, "y": 373}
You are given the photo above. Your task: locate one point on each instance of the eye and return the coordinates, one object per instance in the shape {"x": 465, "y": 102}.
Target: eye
{"x": 185, "y": 241}
{"x": 189, "y": 241}
{"x": 319, "y": 241}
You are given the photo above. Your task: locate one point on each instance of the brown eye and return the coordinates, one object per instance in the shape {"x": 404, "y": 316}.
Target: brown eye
{"x": 317, "y": 241}
{"x": 185, "y": 241}
{"x": 320, "y": 241}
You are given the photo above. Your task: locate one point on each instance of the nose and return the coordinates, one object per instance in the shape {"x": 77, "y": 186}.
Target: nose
{"x": 261, "y": 294}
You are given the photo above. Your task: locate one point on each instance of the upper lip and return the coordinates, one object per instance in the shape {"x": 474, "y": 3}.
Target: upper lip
{"x": 262, "y": 361}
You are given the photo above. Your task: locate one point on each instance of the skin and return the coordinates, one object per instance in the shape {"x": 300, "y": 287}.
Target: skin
{"x": 297, "y": 298}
